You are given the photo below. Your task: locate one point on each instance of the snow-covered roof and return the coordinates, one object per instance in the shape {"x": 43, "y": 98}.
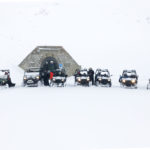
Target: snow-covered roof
{"x": 31, "y": 74}
{"x": 2, "y": 75}
{"x": 50, "y": 48}
{"x": 104, "y": 72}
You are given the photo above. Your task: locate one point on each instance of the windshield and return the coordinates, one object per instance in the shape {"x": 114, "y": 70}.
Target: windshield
{"x": 104, "y": 74}
{"x": 129, "y": 75}
{"x": 58, "y": 73}
{"x": 31, "y": 74}
{"x": 33, "y": 70}
{"x": 83, "y": 73}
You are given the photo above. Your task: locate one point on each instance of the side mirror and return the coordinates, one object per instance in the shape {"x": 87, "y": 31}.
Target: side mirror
{"x": 66, "y": 76}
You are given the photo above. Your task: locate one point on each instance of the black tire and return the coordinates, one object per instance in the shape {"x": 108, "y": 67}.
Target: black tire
{"x": 110, "y": 84}
{"x": 96, "y": 83}
{"x": 88, "y": 84}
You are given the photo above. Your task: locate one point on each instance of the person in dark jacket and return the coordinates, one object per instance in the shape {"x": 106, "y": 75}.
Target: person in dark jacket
{"x": 91, "y": 74}
{"x": 46, "y": 66}
{"x": 46, "y": 78}
{"x": 52, "y": 66}
{"x": 9, "y": 82}
{"x": 77, "y": 73}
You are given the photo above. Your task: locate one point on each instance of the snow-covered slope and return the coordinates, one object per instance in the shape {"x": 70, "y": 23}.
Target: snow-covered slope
{"x": 113, "y": 34}
{"x": 74, "y": 118}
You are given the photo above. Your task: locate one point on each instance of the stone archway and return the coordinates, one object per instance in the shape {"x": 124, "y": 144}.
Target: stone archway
{"x": 49, "y": 64}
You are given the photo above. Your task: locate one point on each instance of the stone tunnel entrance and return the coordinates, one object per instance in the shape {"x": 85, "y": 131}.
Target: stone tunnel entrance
{"x": 41, "y": 57}
{"x": 49, "y": 64}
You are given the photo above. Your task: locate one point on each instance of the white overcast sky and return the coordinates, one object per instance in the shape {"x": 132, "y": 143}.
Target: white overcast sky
{"x": 24, "y": 0}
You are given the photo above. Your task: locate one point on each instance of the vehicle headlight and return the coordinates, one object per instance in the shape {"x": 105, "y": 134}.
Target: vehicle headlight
{"x": 62, "y": 80}
{"x": 25, "y": 78}
{"x": 54, "y": 79}
{"x": 3, "y": 81}
{"x": 79, "y": 79}
{"x": 133, "y": 81}
{"x": 38, "y": 77}
{"x": 99, "y": 79}
{"x": 123, "y": 80}
{"x": 88, "y": 79}
{"x": 109, "y": 79}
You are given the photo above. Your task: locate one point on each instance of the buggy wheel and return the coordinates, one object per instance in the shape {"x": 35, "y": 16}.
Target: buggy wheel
{"x": 96, "y": 83}
{"x": 110, "y": 84}
{"x": 88, "y": 84}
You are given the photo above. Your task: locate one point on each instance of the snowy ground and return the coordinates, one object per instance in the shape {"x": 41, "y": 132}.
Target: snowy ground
{"x": 77, "y": 118}
{"x": 113, "y": 34}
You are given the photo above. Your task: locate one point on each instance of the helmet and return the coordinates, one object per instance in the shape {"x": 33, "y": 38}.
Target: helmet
{"x": 51, "y": 62}
{"x": 6, "y": 73}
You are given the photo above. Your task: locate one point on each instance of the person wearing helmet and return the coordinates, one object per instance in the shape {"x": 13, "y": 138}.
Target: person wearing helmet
{"x": 91, "y": 74}
{"x": 46, "y": 65}
{"x": 10, "y": 84}
{"x": 46, "y": 78}
{"x": 52, "y": 66}
{"x": 45, "y": 74}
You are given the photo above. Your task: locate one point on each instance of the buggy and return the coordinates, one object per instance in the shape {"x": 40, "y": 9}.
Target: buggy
{"x": 5, "y": 79}
{"x": 103, "y": 78}
{"x": 129, "y": 78}
{"x": 31, "y": 77}
{"x": 59, "y": 78}
{"x": 82, "y": 77}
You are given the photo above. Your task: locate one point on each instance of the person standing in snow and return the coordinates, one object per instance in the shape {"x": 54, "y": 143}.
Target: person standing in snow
{"x": 46, "y": 78}
{"x": 91, "y": 74}
{"x": 51, "y": 75}
{"x": 77, "y": 73}
{"x": 10, "y": 84}
{"x": 52, "y": 66}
